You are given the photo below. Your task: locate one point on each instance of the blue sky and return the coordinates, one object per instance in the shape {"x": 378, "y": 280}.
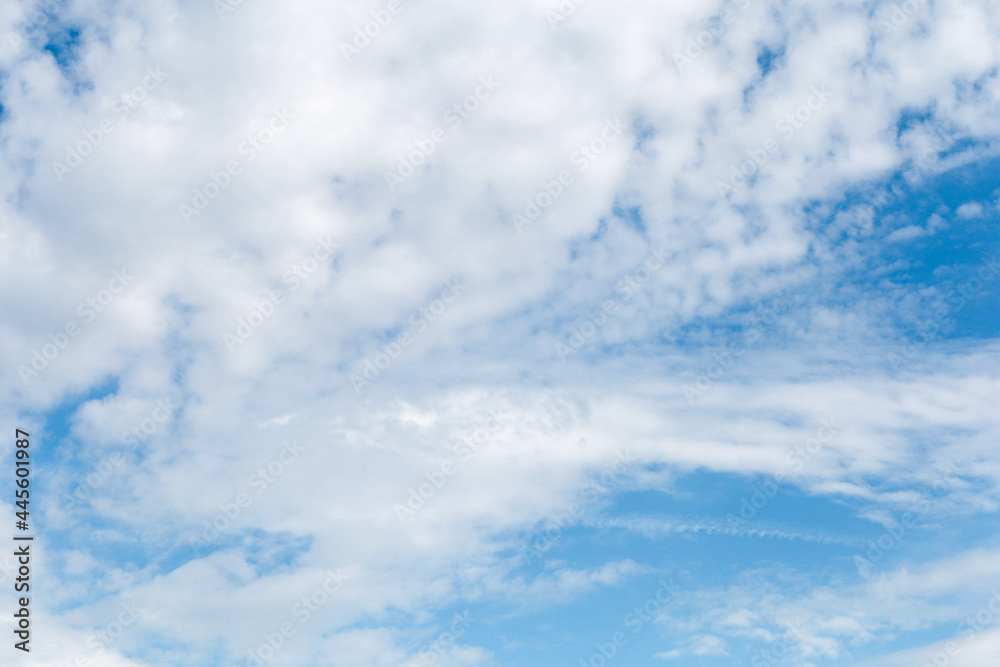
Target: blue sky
{"x": 681, "y": 348}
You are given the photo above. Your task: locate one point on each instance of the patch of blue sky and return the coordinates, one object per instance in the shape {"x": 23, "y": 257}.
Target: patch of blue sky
{"x": 266, "y": 551}
{"x": 158, "y": 650}
{"x": 55, "y": 442}
{"x": 703, "y": 517}
{"x": 768, "y": 59}
{"x": 270, "y": 552}
{"x": 568, "y": 634}
{"x": 630, "y": 215}
{"x": 687, "y": 532}
{"x": 941, "y": 247}
{"x": 644, "y": 132}
{"x": 56, "y": 450}
{"x": 112, "y": 542}
{"x": 912, "y": 118}
{"x": 64, "y": 43}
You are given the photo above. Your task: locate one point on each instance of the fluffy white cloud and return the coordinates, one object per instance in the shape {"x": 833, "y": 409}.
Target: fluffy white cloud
{"x": 258, "y": 121}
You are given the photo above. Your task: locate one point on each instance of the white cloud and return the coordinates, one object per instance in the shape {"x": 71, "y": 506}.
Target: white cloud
{"x": 705, "y": 645}
{"x": 964, "y": 651}
{"x": 826, "y": 620}
{"x": 969, "y": 210}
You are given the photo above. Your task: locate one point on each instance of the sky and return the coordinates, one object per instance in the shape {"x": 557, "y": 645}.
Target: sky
{"x": 416, "y": 332}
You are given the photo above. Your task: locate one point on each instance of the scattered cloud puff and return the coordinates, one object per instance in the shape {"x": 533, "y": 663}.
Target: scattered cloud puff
{"x": 969, "y": 210}
{"x": 704, "y": 645}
